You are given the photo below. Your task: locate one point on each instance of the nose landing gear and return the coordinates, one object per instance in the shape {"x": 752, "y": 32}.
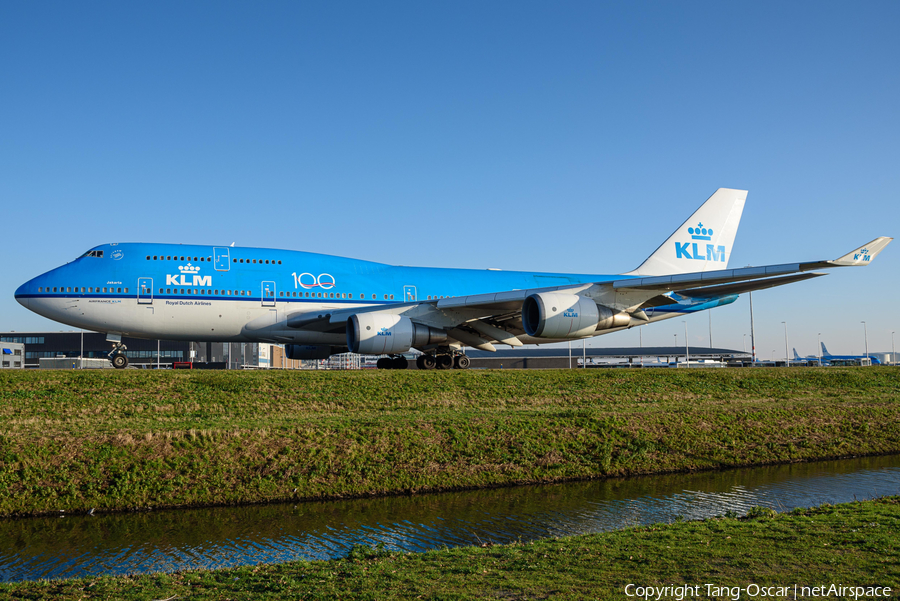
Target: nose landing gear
{"x": 117, "y": 356}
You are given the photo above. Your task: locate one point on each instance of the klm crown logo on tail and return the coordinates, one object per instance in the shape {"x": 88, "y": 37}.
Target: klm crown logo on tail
{"x": 692, "y": 250}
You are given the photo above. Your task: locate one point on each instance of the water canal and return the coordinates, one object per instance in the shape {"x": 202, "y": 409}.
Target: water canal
{"x": 70, "y": 546}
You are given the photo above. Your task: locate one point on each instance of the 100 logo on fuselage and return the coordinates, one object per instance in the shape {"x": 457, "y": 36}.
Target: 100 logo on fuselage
{"x": 325, "y": 281}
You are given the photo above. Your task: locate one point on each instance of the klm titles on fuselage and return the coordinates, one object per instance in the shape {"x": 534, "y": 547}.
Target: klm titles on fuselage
{"x": 191, "y": 270}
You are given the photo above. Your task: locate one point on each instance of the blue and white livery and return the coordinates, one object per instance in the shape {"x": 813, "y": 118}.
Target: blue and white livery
{"x": 318, "y": 305}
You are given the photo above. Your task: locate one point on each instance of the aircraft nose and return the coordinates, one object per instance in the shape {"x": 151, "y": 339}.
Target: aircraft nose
{"x": 22, "y": 294}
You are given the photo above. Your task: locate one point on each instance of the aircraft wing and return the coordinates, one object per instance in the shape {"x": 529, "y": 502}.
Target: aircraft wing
{"x": 481, "y": 319}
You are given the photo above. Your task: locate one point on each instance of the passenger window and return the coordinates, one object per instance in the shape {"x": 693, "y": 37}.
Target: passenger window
{"x": 119, "y": 290}
{"x": 160, "y": 290}
{"x": 82, "y": 290}
{"x": 374, "y": 296}
{"x": 104, "y": 289}
{"x": 148, "y": 257}
{"x": 279, "y": 262}
{"x": 126, "y": 290}
{"x": 154, "y": 257}
{"x": 41, "y": 289}
{"x": 392, "y": 297}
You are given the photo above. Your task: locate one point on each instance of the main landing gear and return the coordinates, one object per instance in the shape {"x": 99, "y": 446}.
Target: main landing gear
{"x": 117, "y": 356}
{"x": 449, "y": 360}
{"x": 439, "y": 360}
{"x": 393, "y": 362}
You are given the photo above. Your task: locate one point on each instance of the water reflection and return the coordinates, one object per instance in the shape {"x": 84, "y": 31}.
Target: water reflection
{"x": 222, "y": 537}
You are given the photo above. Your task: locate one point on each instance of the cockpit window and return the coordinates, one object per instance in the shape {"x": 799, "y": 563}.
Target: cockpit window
{"x": 93, "y": 253}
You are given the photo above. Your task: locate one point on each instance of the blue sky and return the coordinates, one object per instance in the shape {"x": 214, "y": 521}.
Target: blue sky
{"x": 571, "y": 137}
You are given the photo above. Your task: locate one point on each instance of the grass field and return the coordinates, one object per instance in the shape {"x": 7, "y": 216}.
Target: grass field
{"x": 73, "y": 441}
{"x": 850, "y": 545}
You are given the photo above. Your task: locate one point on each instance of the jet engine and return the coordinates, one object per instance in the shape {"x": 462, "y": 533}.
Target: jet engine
{"x": 561, "y": 315}
{"x": 386, "y": 334}
{"x": 310, "y": 351}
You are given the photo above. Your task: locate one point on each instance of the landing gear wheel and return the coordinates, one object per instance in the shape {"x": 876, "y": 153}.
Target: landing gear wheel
{"x": 399, "y": 362}
{"x": 428, "y": 362}
{"x": 120, "y": 361}
{"x": 384, "y": 363}
{"x": 462, "y": 362}
{"x": 445, "y": 361}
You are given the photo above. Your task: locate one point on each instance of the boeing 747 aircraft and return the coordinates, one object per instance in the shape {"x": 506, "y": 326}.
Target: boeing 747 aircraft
{"x": 319, "y": 305}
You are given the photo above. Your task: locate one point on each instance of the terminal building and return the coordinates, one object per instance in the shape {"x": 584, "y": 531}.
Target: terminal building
{"x": 12, "y": 355}
{"x": 35, "y": 346}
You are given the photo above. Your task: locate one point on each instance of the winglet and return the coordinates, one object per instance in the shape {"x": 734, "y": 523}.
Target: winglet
{"x": 864, "y": 254}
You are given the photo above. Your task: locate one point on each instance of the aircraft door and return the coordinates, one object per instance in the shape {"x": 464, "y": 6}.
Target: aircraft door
{"x": 145, "y": 291}
{"x": 409, "y": 294}
{"x": 268, "y": 294}
{"x": 221, "y": 258}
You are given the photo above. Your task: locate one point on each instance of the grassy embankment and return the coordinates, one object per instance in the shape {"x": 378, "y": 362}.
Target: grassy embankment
{"x": 853, "y": 544}
{"x": 124, "y": 440}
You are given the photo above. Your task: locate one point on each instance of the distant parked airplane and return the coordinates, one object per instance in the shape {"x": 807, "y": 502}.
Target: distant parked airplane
{"x": 828, "y": 357}
{"x": 319, "y": 305}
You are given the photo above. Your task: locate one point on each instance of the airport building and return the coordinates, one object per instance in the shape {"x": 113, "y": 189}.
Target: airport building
{"x": 35, "y": 346}
{"x": 12, "y": 355}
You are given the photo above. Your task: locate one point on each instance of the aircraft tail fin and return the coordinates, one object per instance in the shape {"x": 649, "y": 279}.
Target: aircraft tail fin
{"x": 825, "y": 352}
{"x": 703, "y": 242}
{"x": 796, "y": 356}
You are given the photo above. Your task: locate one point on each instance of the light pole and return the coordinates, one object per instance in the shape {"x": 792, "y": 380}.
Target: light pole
{"x": 752, "y": 335}
{"x": 570, "y": 354}
{"x": 866, "y": 331}
{"x": 81, "y": 355}
{"x": 893, "y": 356}
{"x": 641, "y": 343}
{"x": 710, "y": 328}
{"x": 819, "y": 348}
{"x": 745, "y": 344}
{"x": 687, "y": 353}
{"x": 584, "y": 353}
{"x": 787, "y": 359}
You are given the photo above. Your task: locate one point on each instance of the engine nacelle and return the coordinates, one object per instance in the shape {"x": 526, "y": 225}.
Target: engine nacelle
{"x": 386, "y": 334}
{"x": 560, "y": 315}
{"x": 310, "y": 351}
